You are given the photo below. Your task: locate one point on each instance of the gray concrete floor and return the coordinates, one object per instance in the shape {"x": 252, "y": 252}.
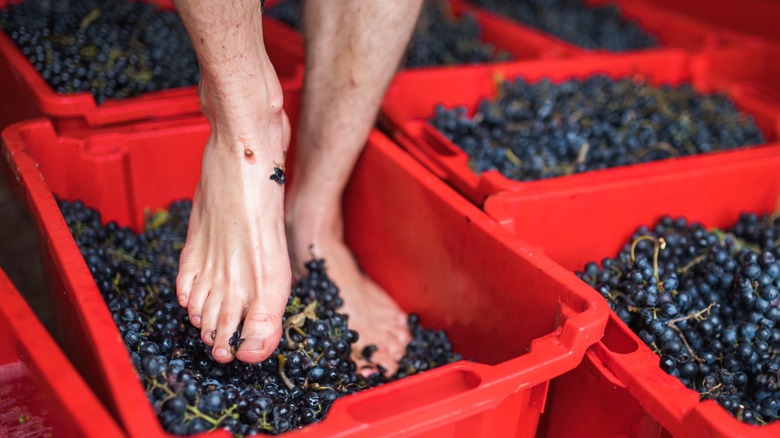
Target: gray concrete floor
{"x": 19, "y": 254}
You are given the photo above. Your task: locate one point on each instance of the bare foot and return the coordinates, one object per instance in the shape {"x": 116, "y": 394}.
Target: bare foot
{"x": 372, "y": 313}
{"x": 234, "y": 265}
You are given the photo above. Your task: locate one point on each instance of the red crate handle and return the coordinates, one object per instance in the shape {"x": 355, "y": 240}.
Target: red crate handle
{"x": 419, "y": 399}
{"x": 421, "y": 154}
{"x": 631, "y": 362}
{"x": 466, "y": 386}
{"x": 442, "y": 157}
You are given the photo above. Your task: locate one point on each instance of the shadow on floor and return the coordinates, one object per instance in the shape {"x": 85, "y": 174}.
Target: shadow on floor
{"x": 19, "y": 254}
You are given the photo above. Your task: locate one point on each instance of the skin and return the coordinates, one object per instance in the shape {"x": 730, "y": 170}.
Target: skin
{"x": 353, "y": 49}
{"x": 234, "y": 265}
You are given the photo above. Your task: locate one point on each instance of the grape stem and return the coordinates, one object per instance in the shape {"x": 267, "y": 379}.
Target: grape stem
{"x": 685, "y": 342}
{"x": 125, "y": 257}
{"x": 510, "y": 155}
{"x": 297, "y": 321}
{"x": 672, "y": 323}
{"x": 710, "y": 390}
{"x": 583, "y": 153}
{"x": 691, "y": 264}
{"x": 282, "y": 359}
{"x": 89, "y": 18}
{"x": 658, "y": 245}
{"x": 694, "y": 315}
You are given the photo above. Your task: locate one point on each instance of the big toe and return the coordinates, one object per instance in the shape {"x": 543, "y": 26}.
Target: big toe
{"x": 397, "y": 342}
{"x": 400, "y": 338}
{"x": 260, "y": 336}
{"x": 382, "y": 358}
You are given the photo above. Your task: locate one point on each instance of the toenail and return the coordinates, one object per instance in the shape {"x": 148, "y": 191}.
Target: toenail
{"x": 213, "y": 335}
{"x": 251, "y": 344}
{"x": 195, "y": 320}
{"x": 182, "y": 299}
{"x": 221, "y": 353}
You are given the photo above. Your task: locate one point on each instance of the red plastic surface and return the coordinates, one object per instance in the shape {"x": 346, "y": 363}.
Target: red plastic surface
{"x": 40, "y": 391}
{"x": 580, "y": 224}
{"x": 752, "y": 71}
{"x": 26, "y": 94}
{"x": 524, "y": 318}
{"x": 756, "y": 17}
{"x": 671, "y": 29}
{"x": 410, "y": 102}
{"x": 575, "y": 225}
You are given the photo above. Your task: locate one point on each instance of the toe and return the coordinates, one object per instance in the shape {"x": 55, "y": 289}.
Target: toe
{"x": 200, "y": 291}
{"x": 401, "y": 338}
{"x": 229, "y": 317}
{"x": 184, "y": 282}
{"x": 364, "y": 367}
{"x": 382, "y": 358}
{"x": 393, "y": 346}
{"x": 208, "y": 320}
{"x": 261, "y": 332}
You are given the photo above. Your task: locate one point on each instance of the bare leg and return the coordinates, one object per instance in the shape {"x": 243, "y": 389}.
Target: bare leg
{"x": 234, "y": 264}
{"x": 353, "y": 50}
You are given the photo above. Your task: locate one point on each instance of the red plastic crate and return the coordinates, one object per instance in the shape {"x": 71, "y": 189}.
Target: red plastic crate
{"x": 620, "y": 390}
{"x": 26, "y": 94}
{"x": 671, "y": 29}
{"x": 524, "y": 318}
{"x": 40, "y": 392}
{"x": 411, "y": 99}
{"x": 756, "y": 17}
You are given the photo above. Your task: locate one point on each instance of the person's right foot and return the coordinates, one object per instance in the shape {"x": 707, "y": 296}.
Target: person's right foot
{"x": 234, "y": 266}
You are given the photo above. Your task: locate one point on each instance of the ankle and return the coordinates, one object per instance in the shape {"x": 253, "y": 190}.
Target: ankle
{"x": 242, "y": 100}
{"x": 309, "y": 232}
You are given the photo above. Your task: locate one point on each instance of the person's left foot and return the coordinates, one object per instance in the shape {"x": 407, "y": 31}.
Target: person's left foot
{"x": 372, "y": 313}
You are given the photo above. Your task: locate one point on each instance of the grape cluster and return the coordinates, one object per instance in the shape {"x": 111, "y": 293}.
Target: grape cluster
{"x": 541, "y": 130}
{"x": 113, "y": 49}
{"x": 708, "y": 303}
{"x": 589, "y": 27}
{"x": 191, "y": 393}
{"x": 440, "y": 38}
